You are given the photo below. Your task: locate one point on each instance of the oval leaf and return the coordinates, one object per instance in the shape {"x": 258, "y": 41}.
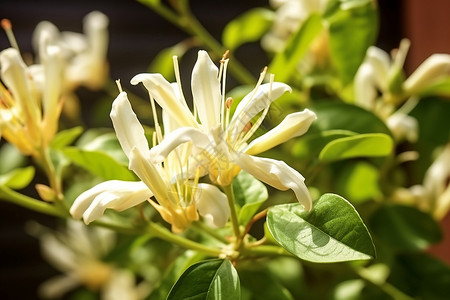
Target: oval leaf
{"x": 332, "y": 232}
{"x": 248, "y": 27}
{"x": 99, "y": 163}
{"x": 18, "y": 178}
{"x": 208, "y": 280}
{"x": 249, "y": 194}
{"x": 66, "y": 137}
{"x": 361, "y": 145}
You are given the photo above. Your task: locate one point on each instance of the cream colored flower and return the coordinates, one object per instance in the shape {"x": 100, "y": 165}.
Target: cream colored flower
{"x": 221, "y": 143}
{"x": 78, "y": 252}
{"x": 178, "y": 195}
{"x": 85, "y": 54}
{"x": 30, "y": 101}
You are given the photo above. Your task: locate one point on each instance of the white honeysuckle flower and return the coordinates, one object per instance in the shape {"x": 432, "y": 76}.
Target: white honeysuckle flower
{"x": 78, "y": 252}
{"x": 178, "y": 195}
{"x": 433, "y": 195}
{"x": 84, "y": 54}
{"x": 221, "y": 141}
{"x": 31, "y": 99}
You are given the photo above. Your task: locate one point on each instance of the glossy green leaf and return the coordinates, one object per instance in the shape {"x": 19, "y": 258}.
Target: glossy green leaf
{"x": 339, "y": 115}
{"x": 361, "y": 145}
{"x": 209, "y": 280}
{"x": 17, "y": 178}
{"x": 248, "y": 27}
{"x": 99, "y": 163}
{"x": 66, "y": 137}
{"x": 331, "y": 232}
{"x": 353, "y": 27}
{"x": 286, "y": 62}
{"x": 249, "y": 194}
{"x": 405, "y": 227}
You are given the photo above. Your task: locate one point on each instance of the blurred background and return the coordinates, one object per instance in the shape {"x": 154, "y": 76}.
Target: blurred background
{"x": 136, "y": 35}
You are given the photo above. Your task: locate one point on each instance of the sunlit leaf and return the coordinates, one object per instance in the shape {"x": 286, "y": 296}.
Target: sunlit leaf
{"x": 66, "y": 137}
{"x": 11, "y": 158}
{"x": 331, "y": 232}
{"x": 361, "y": 145}
{"x": 248, "y": 27}
{"x": 210, "y": 280}
{"x": 249, "y": 194}
{"x": 285, "y": 62}
{"x": 17, "y": 178}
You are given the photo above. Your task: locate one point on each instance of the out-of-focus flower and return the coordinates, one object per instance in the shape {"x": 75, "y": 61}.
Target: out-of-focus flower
{"x": 433, "y": 194}
{"x": 221, "y": 142}
{"x": 178, "y": 195}
{"x": 289, "y": 17}
{"x": 78, "y": 252}
{"x": 380, "y": 86}
{"x": 85, "y": 54}
{"x": 30, "y": 101}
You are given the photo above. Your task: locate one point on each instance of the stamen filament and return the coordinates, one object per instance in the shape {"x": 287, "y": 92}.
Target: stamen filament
{"x": 7, "y": 26}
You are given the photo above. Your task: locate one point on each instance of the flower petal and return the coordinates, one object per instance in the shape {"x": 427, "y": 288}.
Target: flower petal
{"x": 364, "y": 86}
{"x": 128, "y": 129}
{"x": 176, "y": 138}
{"x": 275, "y": 173}
{"x": 206, "y": 90}
{"x": 292, "y": 126}
{"x": 212, "y": 204}
{"x": 162, "y": 91}
{"x": 115, "y": 194}
{"x": 255, "y": 102}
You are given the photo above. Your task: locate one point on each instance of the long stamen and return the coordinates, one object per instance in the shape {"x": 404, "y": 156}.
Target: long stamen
{"x": 155, "y": 118}
{"x": 7, "y": 26}
{"x": 176, "y": 69}
{"x": 119, "y": 85}
{"x": 224, "y": 79}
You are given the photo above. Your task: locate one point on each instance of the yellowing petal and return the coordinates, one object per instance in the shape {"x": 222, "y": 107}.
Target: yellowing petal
{"x": 277, "y": 174}
{"x": 206, "y": 90}
{"x": 292, "y": 126}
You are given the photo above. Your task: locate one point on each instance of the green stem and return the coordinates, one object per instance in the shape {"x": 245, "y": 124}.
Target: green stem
{"x": 202, "y": 227}
{"x": 234, "y": 218}
{"x": 30, "y": 203}
{"x": 187, "y": 22}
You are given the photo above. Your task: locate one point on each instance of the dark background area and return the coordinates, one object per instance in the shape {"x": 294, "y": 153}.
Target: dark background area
{"x": 136, "y": 35}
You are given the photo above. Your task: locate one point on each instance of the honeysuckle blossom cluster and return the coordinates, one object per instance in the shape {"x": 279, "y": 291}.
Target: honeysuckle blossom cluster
{"x": 382, "y": 75}
{"x": 217, "y": 145}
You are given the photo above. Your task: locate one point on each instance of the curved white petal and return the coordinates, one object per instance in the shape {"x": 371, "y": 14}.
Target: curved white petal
{"x": 381, "y": 63}
{"x": 149, "y": 173}
{"x": 255, "y": 102}
{"x": 115, "y": 194}
{"x": 206, "y": 90}
{"x": 162, "y": 91}
{"x": 403, "y": 126}
{"x": 275, "y": 173}
{"x": 176, "y": 138}
{"x": 364, "y": 86}
{"x": 432, "y": 69}
{"x": 212, "y": 204}
{"x": 128, "y": 129}
{"x": 293, "y": 125}
{"x": 56, "y": 287}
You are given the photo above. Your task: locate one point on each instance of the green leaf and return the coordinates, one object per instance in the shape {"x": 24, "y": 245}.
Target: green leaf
{"x": 361, "y": 145}
{"x": 18, "y": 178}
{"x": 248, "y": 27}
{"x": 262, "y": 285}
{"x": 249, "y": 194}
{"x": 331, "y": 232}
{"x": 11, "y": 158}
{"x": 108, "y": 144}
{"x": 163, "y": 62}
{"x": 405, "y": 227}
{"x": 99, "y": 163}
{"x": 421, "y": 276}
{"x": 209, "y": 280}
{"x": 353, "y": 27}
{"x": 286, "y": 62}
{"x": 339, "y": 115}
{"x": 66, "y": 137}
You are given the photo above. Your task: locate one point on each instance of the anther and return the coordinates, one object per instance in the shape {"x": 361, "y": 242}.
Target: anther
{"x": 228, "y": 102}
{"x": 247, "y": 127}
{"x": 7, "y": 27}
